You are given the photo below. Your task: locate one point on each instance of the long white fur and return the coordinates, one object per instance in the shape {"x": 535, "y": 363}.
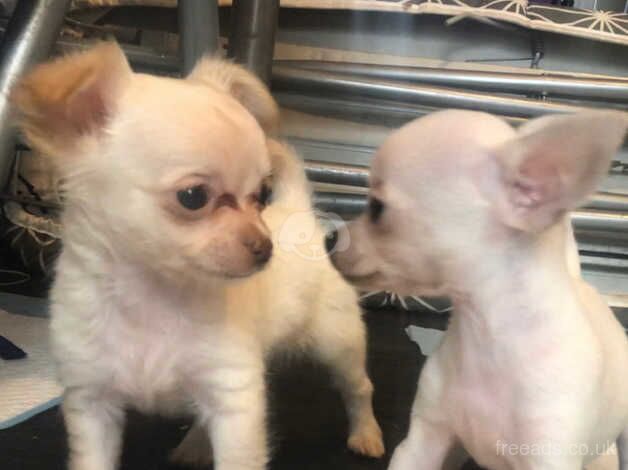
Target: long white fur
{"x": 124, "y": 339}
{"x": 144, "y": 311}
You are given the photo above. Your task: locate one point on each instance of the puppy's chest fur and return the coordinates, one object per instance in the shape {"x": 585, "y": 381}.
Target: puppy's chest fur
{"x": 141, "y": 346}
{"x": 149, "y": 354}
{"x": 527, "y": 382}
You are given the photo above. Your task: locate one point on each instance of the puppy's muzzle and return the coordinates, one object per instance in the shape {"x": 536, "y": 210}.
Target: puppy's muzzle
{"x": 260, "y": 247}
{"x": 331, "y": 239}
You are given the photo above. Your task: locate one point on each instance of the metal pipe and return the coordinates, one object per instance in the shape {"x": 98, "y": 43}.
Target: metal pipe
{"x": 367, "y": 110}
{"x": 608, "y": 202}
{"x": 358, "y": 176}
{"x": 341, "y": 203}
{"x": 545, "y": 84}
{"x": 601, "y": 221}
{"x": 252, "y": 37}
{"x": 322, "y": 82}
{"x": 29, "y": 38}
{"x": 612, "y": 222}
{"x": 337, "y": 174}
{"x": 140, "y": 58}
{"x": 145, "y": 59}
{"x": 198, "y": 31}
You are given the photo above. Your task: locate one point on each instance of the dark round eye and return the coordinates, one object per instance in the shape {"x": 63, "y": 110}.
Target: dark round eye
{"x": 193, "y": 198}
{"x": 265, "y": 195}
{"x": 376, "y": 207}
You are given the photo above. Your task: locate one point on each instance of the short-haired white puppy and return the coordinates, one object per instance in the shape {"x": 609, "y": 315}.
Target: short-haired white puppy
{"x": 531, "y": 373}
{"x": 160, "y": 300}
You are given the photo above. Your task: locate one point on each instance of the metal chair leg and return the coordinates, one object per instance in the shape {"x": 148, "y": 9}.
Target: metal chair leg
{"x": 253, "y": 28}
{"x": 29, "y": 38}
{"x": 198, "y": 30}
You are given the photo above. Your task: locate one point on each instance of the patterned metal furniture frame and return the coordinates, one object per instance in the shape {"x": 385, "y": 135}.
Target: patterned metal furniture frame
{"x": 598, "y": 25}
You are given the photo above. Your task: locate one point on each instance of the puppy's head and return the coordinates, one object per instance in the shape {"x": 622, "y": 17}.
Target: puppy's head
{"x": 165, "y": 172}
{"x": 450, "y": 188}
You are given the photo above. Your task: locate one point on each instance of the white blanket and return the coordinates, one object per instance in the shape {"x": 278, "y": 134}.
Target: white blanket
{"x": 27, "y": 386}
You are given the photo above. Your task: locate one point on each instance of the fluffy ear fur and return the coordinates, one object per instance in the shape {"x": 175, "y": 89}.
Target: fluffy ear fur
{"x": 243, "y": 86}
{"x": 290, "y": 184}
{"x": 553, "y": 165}
{"x": 62, "y": 101}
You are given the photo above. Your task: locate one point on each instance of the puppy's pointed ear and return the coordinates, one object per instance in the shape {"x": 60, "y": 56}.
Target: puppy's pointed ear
{"x": 243, "y": 85}
{"x": 553, "y": 165}
{"x": 63, "y": 101}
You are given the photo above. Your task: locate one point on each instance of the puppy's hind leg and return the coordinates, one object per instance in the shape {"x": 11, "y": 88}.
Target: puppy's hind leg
{"x": 339, "y": 340}
{"x": 195, "y": 449}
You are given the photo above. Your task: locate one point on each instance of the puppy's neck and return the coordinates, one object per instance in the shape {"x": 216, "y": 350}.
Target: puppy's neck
{"x": 520, "y": 283}
{"x": 134, "y": 287}
{"x": 195, "y": 299}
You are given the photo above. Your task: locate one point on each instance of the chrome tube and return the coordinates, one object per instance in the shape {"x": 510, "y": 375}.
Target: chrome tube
{"x": 424, "y": 97}
{"x": 198, "y": 30}
{"x": 29, "y": 38}
{"x": 357, "y": 176}
{"x": 600, "y": 221}
{"x": 337, "y": 174}
{"x": 367, "y": 110}
{"x": 252, "y": 37}
{"x": 140, "y": 58}
{"x": 347, "y": 205}
{"x": 290, "y": 78}
{"x": 545, "y": 84}
{"x": 608, "y": 202}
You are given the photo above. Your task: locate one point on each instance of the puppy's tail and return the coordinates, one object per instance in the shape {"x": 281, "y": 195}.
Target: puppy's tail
{"x": 290, "y": 185}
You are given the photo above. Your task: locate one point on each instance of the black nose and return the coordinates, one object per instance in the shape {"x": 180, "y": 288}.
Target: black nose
{"x": 330, "y": 240}
{"x": 262, "y": 250}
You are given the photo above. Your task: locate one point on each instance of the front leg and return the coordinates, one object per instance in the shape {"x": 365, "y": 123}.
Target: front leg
{"x": 427, "y": 446}
{"x": 94, "y": 426}
{"x": 233, "y": 408}
{"x": 431, "y": 444}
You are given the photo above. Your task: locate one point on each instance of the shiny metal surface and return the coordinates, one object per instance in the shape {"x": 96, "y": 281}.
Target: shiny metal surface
{"x": 397, "y": 100}
{"x": 368, "y": 110}
{"x": 608, "y": 202}
{"x": 362, "y": 109}
{"x": 252, "y": 37}
{"x": 291, "y": 78}
{"x": 29, "y": 38}
{"x": 347, "y": 205}
{"x": 337, "y": 174}
{"x": 141, "y": 58}
{"x": 198, "y": 30}
{"x": 546, "y": 84}
{"x": 601, "y": 221}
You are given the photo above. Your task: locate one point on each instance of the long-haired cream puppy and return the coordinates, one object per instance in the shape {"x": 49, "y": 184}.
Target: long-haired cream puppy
{"x": 165, "y": 185}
